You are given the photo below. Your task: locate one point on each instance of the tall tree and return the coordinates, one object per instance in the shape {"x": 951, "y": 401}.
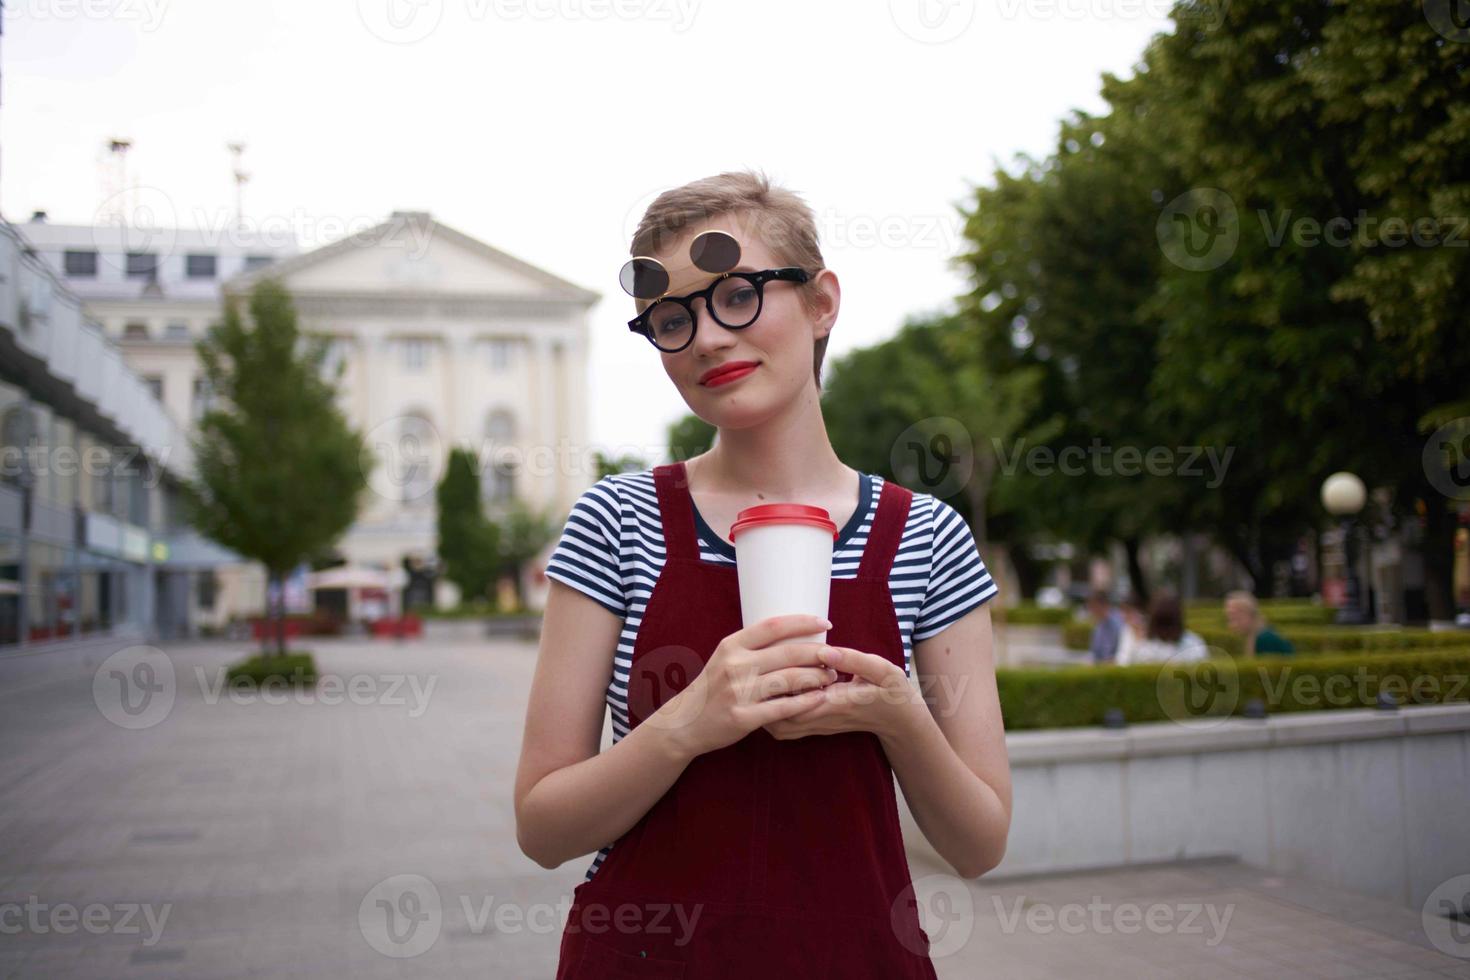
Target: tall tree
{"x": 469, "y": 543}
{"x": 279, "y": 472}
{"x": 1333, "y": 130}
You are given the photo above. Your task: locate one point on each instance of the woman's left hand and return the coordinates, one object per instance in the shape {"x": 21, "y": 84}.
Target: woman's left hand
{"x": 878, "y": 699}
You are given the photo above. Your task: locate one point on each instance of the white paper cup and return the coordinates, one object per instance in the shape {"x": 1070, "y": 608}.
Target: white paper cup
{"x": 783, "y": 557}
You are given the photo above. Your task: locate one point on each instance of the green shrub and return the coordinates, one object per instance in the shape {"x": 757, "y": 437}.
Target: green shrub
{"x": 1030, "y": 614}
{"x": 1077, "y": 635}
{"x": 476, "y": 610}
{"x": 1074, "y": 696}
{"x": 1306, "y": 639}
{"x": 1278, "y": 612}
{"x": 295, "y": 667}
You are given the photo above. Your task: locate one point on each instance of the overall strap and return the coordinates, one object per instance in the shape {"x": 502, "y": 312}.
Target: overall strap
{"x": 676, "y": 510}
{"x": 887, "y": 531}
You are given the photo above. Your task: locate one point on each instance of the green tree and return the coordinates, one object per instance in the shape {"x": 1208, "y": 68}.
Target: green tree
{"x": 522, "y": 532}
{"x": 279, "y": 472}
{"x": 893, "y": 408}
{"x": 690, "y": 436}
{"x": 469, "y": 544}
{"x": 1297, "y": 355}
{"x": 1060, "y": 278}
{"x": 1317, "y": 118}
{"x": 626, "y": 463}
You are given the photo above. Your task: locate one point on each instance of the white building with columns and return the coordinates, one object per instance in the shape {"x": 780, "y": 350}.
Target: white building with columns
{"x": 444, "y": 341}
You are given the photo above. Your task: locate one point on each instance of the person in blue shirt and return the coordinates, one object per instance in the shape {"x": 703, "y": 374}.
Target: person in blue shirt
{"x": 1108, "y": 628}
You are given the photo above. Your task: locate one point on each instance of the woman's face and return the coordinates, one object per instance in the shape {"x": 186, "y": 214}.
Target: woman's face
{"x": 778, "y": 345}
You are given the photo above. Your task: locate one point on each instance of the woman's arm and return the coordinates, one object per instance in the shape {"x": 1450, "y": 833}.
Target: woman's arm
{"x": 571, "y": 799}
{"x": 951, "y": 758}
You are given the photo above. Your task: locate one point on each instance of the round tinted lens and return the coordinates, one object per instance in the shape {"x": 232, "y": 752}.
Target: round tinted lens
{"x": 644, "y": 278}
{"x": 737, "y": 302}
{"x": 714, "y": 251}
{"x": 671, "y": 324}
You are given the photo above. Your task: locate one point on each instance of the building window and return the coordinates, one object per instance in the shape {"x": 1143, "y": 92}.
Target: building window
{"x": 208, "y": 588}
{"x": 253, "y": 262}
{"x": 17, "y": 432}
{"x": 500, "y": 427}
{"x": 501, "y": 352}
{"x": 412, "y": 461}
{"x": 155, "y": 385}
{"x": 415, "y": 354}
{"x": 199, "y": 266}
{"x": 83, "y": 265}
{"x": 203, "y": 398}
{"x": 500, "y": 483}
{"x": 142, "y": 265}
{"x": 135, "y": 330}
{"x": 176, "y": 330}
{"x": 334, "y": 357}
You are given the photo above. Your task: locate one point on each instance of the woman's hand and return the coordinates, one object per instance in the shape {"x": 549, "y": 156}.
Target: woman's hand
{"x": 878, "y": 699}
{"x": 751, "y": 680}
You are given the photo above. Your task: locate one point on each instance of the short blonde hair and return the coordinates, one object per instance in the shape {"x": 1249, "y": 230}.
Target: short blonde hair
{"x": 775, "y": 215}
{"x": 1243, "y": 598}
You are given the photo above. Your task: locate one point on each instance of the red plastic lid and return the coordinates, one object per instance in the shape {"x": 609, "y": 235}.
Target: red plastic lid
{"x": 763, "y": 514}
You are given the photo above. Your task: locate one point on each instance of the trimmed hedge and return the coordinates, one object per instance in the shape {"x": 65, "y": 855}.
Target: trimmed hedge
{"x": 1306, "y": 639}
{"x": 1030, "y": 614}
{"x": 1278, "y": 612}
{"x": 294, "y": 667}
{"x": 1075, "y": 696}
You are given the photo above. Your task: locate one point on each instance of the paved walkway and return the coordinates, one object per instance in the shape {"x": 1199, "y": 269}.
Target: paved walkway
{"x": 190, "y": 834}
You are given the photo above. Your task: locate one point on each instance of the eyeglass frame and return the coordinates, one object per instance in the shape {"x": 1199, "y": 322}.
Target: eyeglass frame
{"x": 640, "y": 325}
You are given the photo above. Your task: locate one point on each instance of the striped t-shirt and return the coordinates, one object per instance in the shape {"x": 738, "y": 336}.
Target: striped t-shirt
{"x": 612, "y": 549}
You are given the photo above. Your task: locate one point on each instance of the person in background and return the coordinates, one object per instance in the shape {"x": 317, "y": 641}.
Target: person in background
{"x": 1134, "y": 631}
{"x": 1167, "y": 639}
{"x": 1107, "y": 628}
{"x": 1243, "y": 617}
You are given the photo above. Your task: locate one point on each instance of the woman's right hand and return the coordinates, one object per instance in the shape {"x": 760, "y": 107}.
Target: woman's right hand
{"x": 746, "y": 684}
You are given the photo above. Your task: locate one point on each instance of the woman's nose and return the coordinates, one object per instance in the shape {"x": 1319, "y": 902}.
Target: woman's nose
{"x": 708, "y": 334}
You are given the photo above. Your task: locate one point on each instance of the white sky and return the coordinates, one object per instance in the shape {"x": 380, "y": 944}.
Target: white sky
{"x": 545, "y": 126}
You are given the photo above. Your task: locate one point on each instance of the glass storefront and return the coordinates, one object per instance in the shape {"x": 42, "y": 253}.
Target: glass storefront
{"x": 9, "y": 588}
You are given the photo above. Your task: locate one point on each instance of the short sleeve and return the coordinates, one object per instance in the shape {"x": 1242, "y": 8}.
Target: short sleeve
{"x": 958, "y": 578}
{"x": 587, "y": 556}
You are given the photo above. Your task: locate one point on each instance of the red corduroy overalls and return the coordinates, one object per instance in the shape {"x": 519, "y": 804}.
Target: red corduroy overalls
{"x": 768, "y": 858}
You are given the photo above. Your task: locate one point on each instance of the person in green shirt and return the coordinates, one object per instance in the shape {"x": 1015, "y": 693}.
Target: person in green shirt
{"x": 1243, "y": 616}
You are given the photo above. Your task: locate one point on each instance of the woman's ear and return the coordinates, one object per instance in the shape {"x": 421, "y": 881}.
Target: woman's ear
{"x": 826, "y": 299}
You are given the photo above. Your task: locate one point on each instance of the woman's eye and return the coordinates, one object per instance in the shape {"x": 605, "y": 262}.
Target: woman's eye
{"x": 741, "y": 296}
{"x": 673, "y": 324}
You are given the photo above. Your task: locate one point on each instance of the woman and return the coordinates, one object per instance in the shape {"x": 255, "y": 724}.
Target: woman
{"x": 1133, "y": 633}
{"x": 744, "y": 816}
{"x": 1167, "y": 638}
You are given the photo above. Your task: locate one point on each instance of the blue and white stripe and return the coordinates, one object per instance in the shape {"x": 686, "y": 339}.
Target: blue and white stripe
{"x": 612, "y": 549}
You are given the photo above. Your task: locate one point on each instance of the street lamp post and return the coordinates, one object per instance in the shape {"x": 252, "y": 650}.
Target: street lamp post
{"x": 1343, "y": 494}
